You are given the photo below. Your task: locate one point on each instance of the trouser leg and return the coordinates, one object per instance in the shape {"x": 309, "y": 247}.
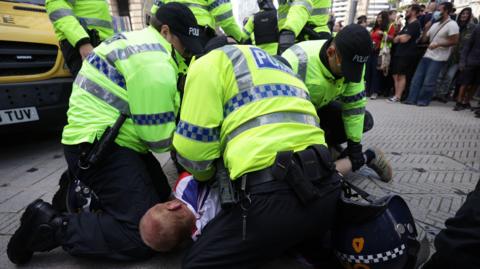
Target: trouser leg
{"x": 429, "y": 83}
{"x": 331, "y": 122}
{"x": 124, "y": 183}
{"x": 417, "y": 81}
{"x": 275, "y": 222}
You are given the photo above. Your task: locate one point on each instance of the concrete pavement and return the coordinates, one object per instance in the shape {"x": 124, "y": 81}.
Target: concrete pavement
{"x": 435, "y": 153}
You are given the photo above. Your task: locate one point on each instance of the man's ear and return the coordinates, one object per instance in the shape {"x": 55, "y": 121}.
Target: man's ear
{"x": 331, "y": 51}
{"x": 174, "y": 205}
{"x": 165, "y": 31}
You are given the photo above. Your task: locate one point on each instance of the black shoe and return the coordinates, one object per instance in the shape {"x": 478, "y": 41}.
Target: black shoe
{"x": 37, "y": 232}
{"x": 458, "y": 107}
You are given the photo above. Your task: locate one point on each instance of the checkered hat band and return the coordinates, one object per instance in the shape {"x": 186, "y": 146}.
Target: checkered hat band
{"x": 372, "y": 258}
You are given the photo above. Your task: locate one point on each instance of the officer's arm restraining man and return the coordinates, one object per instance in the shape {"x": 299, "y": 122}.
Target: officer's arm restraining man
{"x": 210, "y": 14}
{"x": 302, "y": 19}
{"x": 256, "y": 115}
{"x": 133, "y": 74}
{"x": 80, "y": 26}
{"x": 333, "y": 72}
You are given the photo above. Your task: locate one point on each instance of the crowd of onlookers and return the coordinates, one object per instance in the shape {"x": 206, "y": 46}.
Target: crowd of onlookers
{"x": 430, "y": 52}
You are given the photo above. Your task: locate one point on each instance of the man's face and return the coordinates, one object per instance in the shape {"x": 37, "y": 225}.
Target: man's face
{"x": 175, "y": 41}
{"x": 442, "y": 10}
{"x": 465, "y": 16}
{"x": 334, "y": 60}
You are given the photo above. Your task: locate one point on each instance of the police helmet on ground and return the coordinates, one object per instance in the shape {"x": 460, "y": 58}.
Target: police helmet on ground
{"x": 376, "y": 234}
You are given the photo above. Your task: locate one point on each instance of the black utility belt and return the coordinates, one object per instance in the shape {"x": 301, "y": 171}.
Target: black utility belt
{"x": 302, "y": 171}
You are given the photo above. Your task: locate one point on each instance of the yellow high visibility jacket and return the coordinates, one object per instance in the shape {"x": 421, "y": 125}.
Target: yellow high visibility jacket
{"x": 131, "y": 73}
{"x": 325, "y": 88}
{"x": 68, "y": 16}
{"x": 246, "y": 106}
{"x": 210, "y": 13}
{"x": 293, "y": 15}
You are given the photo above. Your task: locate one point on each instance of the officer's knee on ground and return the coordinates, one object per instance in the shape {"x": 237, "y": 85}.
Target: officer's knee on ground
{"x": 161, "y": 229}
{"x": 367, "y": 122}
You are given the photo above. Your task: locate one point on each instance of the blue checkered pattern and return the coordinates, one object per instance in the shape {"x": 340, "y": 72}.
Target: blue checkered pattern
{"x": 153, "y": 119}
{"x": 198, "y": 133}
{"x": 262, "y": 92}
{"x": 107, "y": 69}
{"x": 217, "y": 3}
{"x": 114, "y": 38}
{"x": 354, "y": 98}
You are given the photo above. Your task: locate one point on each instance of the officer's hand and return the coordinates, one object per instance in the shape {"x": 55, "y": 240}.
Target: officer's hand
{"x": 286, "y": 39}
{"x": 85, "y": 50}
{"x": 355, "y": 154}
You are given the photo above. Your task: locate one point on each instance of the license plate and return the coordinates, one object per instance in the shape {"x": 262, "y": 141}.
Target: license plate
{"x": 17, "y": 115}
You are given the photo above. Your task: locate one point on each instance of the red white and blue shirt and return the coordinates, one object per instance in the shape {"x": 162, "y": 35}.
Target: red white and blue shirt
{"x": 200, "y": 198}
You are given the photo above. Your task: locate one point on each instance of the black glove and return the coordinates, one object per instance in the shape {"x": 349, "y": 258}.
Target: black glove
{"x": 355, "y": 154}
{"x": 286, "y": 39}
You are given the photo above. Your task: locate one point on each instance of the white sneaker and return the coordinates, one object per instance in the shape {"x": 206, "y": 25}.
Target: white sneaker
{"x": 373, "y": 96}
{"x": 393, "y": 99}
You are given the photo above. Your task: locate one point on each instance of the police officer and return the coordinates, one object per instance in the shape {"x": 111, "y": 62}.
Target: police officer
{"x": 304, "y": 20}
{"x": 262, "y": 28}
{"x": 132, "y": 74}
{"x": 210, "y": 14}
{"x": 256, "y": 115}
{"x": 333, "y": 70}
{"x": 80, "y": 26}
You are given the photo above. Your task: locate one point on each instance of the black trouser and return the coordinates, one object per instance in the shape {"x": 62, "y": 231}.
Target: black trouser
{"x": 458, "y": 244}
{"x": 331, "y": 123}
{"x": 276, "y": 221}
{"x": 128, "y": 184}
{"x": 72, "y": 57}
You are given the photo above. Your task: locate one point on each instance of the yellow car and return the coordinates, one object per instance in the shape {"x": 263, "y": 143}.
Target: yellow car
{"x": 35, "y": 84}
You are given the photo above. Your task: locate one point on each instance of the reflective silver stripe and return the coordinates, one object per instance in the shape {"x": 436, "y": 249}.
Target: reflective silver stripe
{"x": 194, "y": 165}
{"x": 302, "y": 61}
{"x": 302, "y": 3}
{"x": 103, "y": 94}
{"x": 60, "y": 13}
{"x": 165, "y": 143}
{"x": 97, "y": 22}
{"x": 320, "y": 11}
{"x": 122, "y": 54}
{"x": 190, "y": 5}
{"x": 217, "y": 3}
{"x": 354, "y": 111}
{"x": 281, "y": 16}
{"x": 279, "y": 117}
{"x": 240, "y": 67}
{"x": 224, "y": 16}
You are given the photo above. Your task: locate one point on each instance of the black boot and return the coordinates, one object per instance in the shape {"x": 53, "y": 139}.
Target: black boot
{"x": 40, "y": 227}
